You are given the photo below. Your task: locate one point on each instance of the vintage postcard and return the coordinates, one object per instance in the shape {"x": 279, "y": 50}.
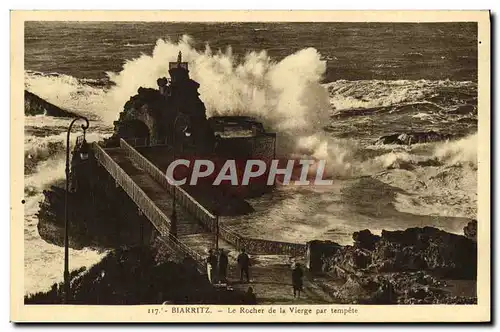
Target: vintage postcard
{"x": 250, "y": 166}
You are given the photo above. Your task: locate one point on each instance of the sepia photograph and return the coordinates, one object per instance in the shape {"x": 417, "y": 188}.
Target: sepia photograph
{"x": 315, "y": 165}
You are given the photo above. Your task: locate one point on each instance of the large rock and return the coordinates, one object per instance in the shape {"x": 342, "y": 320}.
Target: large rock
{"x": 470, "y": 231}
{"x": 34, "y": 105}
{"x": 154, "y": 114}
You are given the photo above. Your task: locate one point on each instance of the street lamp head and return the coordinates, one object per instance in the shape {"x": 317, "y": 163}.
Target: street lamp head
{"x": 84, "y": 150}
{"x": 187, "y": 131}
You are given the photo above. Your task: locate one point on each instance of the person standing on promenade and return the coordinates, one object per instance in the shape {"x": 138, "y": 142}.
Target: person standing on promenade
{"x": 297, "y": 275}
{"x": 223, "y": 263}
{"x": 244, "y": 264}
{"x": 211, "y": 266}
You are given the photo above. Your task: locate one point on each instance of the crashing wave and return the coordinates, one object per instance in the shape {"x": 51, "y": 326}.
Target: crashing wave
{"x": 41, "y": 150}
{"x": 459, "y": 152}
{"x": 38, "y": 149}
{"x": 287, "y": 96}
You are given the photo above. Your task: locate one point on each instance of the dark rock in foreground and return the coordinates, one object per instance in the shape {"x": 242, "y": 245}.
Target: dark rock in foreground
{"x": 403, "y": 288}
{"x": 34, "y": 105}
{"x": 427, "y": 249}
{"x": 415, "y": 266}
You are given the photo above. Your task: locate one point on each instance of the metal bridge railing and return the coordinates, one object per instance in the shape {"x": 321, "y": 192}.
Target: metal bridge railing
{"x": 145, "y": 204}
{"x": 183, "y": 198}
{"x": 160, "y": 221}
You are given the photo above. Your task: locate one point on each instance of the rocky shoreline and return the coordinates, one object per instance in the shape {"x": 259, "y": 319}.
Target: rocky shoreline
{"x": 415, "y": 266}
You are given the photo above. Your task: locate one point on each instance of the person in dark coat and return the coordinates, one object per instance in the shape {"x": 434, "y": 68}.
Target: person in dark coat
{"x": 211, "y": 266}
{"x": 244, "y": 264}
{"x": 223, "y": 263}
{"x": 297, "y": 275}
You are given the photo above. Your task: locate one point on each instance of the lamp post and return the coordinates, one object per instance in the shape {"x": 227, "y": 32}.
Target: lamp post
{"x": 216, "y": 231}
{"x": 66, "y": 234}
{"x": 186, "y": 133}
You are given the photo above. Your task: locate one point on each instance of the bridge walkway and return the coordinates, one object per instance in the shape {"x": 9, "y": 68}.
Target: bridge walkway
{"x": 270, "y": 274}
{"x": 187, "y": 225}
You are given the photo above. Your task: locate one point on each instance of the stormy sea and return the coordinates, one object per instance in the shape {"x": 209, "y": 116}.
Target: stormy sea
{"x": 349, "y": 93}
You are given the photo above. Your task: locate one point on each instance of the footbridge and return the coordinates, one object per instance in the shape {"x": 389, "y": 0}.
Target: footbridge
{"x": 193, "y": 233}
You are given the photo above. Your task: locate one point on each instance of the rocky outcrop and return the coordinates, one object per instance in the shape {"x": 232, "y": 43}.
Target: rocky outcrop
{"x": 34, "y": 105}
{"x": 413, "y": 138}
{"x": 154, "y": 115}
{"x": 470, "y": 231}
{"x": 365, "y": 239}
